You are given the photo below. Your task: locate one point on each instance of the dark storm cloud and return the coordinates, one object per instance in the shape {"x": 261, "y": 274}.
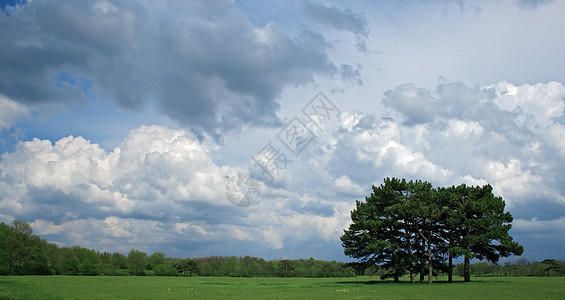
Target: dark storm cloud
{"x": 202, "y": 63}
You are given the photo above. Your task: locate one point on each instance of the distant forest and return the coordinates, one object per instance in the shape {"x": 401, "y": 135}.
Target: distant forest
{"x": 23, "y": 253}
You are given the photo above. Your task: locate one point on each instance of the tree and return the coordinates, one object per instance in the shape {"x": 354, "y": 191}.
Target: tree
{"x": 429, "y": 212}
{"x": 20, "y": 226}
{"x": 285, "y": 268}
{"x": 373, "y": 237}
{"x": 79, "y": 261}
{"x": 410, "y": 227}
{"x": 479, "y": 226}
{"x": 155, "y": 259}
{"x": 396, "y": 229}
{"x": 187, "y": 267}
{"x": 13, "y": 246}
{"x": 166, "y": 269}
{"x": 21, "y": 252}
{"x": 551, "y": 265}
{"x": 54, "y": 259}
{"x": 119, "y": 261}
{"x": 137, "y": 262}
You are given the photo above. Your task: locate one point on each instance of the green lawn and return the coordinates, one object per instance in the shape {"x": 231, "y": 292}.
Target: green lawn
{"x": 103, "y": 287}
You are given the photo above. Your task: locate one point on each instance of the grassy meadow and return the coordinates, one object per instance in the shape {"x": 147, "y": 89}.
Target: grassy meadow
{"x": 129, "y": 287}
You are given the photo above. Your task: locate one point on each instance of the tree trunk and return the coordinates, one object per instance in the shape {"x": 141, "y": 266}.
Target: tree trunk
{"x": 396, "y": 278}
{"x": 450, "y": 268}
{"x": 422, "y": 273}
{"x": 430, "y": 269}
{"x": 412, "y": 279}
{"x": 466, "y": 269}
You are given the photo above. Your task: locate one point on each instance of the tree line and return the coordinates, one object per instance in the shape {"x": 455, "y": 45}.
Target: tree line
{"x": 248, "y": 266}
{"x": 410, "y": 227}
{"x": 519, "y": 268}
{"x": 23, "y": 253}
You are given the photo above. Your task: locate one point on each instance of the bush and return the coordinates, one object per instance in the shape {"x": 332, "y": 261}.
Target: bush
{"x": 165, "y": 270}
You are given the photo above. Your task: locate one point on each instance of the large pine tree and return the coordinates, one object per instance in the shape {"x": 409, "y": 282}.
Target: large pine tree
{"x": 411, "y": 227}
{"x": 478, "y": 226}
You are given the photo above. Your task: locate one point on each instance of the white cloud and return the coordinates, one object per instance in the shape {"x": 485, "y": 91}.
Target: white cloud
{"x": 383, "y": 147}
{"x": 166, "y": 180}
{"x": 216, "y": 66}
{"x": 154, "y": 169}
{"x": 555, "y": 136}
{"x": 158, "y": 181}
{"x": 543, "y": 101}
{"x": 10, "y": 112}
{"x": 540, "y": 228}
{"x": 502, "y": 134}
{"x": 511, "y": 179}
{"x": 109, "y": 234}
{"x": 273, "y": 239}
{"x": 418, "y": 104}
{"x": 344, "y": 184}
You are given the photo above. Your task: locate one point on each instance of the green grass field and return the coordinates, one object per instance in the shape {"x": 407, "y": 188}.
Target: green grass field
{"x": 103, "y": 287}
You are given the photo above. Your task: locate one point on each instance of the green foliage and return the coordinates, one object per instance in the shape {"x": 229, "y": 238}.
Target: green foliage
{"x": 155, "y": 259}
{"x": 477, "y": 226}
{"x": 79, "y": 261}
{"x": 22, "y": 252}
{"x": 521, "y": 267}
{"x": 119, "y": 261}
{"x": 137, "y": 262}
{"x": 252, "y": 267}
{"x": 410, "y": 227}
{"x": 36, "y": 256}
{"x": 187, "y": 267}
{"x": 165, "y": 269}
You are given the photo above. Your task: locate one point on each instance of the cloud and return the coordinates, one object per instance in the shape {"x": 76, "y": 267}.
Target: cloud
{"x": 417, "y": 104}
{"x": 217, "y": 66}
{"x": 525, "y": 106}
{"x": 340, "y": 19}
{"x": 167, "y": 181}
{"x": 202, "y": 63}
{"x": 152, "y": 173}
{"x": 158, "y": 181}
{"x": 503, "y": 134}
{"x": 345, "y": 185}
{"x": 10, "y": 112}
{"x": 542, "y": 101}
{"x": 541, "y": 228}
{"x": 540, "y": 238}
{"x": 118, "y": 234}
{"x": 532, "y": 3}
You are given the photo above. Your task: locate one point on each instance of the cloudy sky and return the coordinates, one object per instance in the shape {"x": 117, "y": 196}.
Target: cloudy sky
{"x": 124, "y": 123}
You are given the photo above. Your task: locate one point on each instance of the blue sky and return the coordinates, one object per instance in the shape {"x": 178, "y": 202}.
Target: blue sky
{"x": 122, "y": 122}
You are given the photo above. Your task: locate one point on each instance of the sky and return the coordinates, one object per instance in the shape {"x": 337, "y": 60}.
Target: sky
{"x": 199, "y": 128}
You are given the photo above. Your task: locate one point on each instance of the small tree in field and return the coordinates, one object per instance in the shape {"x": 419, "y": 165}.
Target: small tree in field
{"x": 551, "y": 265}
